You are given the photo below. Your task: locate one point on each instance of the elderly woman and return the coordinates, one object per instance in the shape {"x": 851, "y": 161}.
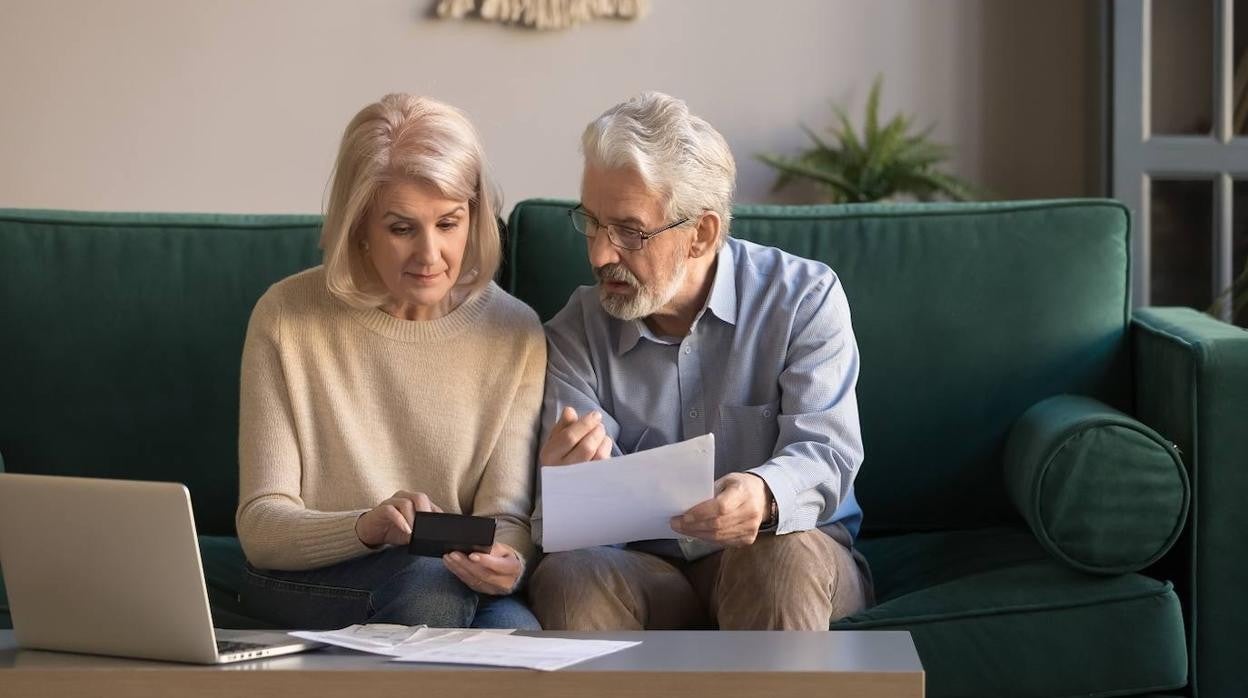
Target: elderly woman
{"x": 395, "y": 378}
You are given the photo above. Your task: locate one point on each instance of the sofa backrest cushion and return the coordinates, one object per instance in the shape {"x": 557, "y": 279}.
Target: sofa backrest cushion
{"x": 120, "y": 340}
{"x": 966, "y": 315}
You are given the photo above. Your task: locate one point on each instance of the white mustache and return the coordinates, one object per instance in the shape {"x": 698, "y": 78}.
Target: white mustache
{"x": 616, "y": 272}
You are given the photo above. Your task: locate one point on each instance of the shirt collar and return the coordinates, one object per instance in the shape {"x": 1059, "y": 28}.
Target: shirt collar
{"x": 723, "y": 300}
{"x": 722, "y": 303}
{"x": 630, "y": 334}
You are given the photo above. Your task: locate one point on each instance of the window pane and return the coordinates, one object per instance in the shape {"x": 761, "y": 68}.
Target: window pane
{"x": 1239, "y": 54}
{"x": 1181, "y": 243}
{"x": 1182, "y": 70}
{"x": 1239, "y": 244}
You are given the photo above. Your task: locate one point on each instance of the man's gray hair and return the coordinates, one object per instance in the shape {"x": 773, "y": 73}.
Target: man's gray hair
{"x": 678, "y": 155}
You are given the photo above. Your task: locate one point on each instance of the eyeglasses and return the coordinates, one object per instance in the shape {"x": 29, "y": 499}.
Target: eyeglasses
{"x": 621, "y": 236}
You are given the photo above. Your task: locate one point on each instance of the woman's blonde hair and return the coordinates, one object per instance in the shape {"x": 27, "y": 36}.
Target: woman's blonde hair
{"x": 402, "y": 136}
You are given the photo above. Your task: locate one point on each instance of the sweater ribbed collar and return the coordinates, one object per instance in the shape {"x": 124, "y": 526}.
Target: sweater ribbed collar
{"x": 449, "y": 325}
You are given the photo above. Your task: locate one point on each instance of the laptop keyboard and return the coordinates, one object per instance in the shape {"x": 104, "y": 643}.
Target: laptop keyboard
{"x": 228, "y": 647}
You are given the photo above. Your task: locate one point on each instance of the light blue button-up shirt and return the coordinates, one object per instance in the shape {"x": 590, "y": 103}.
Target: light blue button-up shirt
{"x": 769, "y": 366}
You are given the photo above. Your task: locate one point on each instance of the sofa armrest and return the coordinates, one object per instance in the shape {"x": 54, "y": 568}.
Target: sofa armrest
{"x": 1191, "y": 381}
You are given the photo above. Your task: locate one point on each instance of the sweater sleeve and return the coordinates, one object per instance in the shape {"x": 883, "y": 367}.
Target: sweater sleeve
{"x": 276, "y": 529}
{"x": 506, "y": 488}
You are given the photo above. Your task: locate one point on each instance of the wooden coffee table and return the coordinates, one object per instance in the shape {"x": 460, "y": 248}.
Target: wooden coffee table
{"x": 684, "y": 664}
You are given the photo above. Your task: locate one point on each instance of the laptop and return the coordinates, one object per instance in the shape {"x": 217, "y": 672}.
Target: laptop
{"x": 112, "y": 567}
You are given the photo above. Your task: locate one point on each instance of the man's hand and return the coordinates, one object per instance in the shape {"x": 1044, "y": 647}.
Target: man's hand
{"x": 391, "y": 521}
{"x": 576, "y": 440}
{"x": 496, "y": 572}
{"x": 732, "y": 517}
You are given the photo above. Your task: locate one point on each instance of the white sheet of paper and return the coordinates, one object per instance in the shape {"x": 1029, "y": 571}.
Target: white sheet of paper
{"x": 390, "y": 640}
{"x": 430, "y": 637}
{"x": 624, "y": 499}
{"x": 542, "y": 653}
{"x": 375, "y": 638}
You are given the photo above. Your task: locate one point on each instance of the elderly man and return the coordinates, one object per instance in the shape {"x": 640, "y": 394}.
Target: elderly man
{"x": 689, "y": 331}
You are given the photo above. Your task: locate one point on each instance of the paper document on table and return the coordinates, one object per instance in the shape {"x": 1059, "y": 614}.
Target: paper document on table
{"x": 542, "y": 653}
{"x": 391, "y": 640}
{"x": 624, "y": 499}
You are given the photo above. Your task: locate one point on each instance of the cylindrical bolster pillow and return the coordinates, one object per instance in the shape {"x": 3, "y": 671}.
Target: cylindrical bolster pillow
{"x": 1103, "y": 493}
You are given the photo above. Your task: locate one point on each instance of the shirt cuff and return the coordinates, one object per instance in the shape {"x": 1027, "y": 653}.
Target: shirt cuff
{"x": 782, "y": 490}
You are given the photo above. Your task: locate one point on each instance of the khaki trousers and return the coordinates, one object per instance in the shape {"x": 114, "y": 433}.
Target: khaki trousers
{"x": 798, "y": 581}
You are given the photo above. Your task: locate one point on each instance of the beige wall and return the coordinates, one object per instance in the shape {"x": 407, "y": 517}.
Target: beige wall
{"x": 193, "y": 105}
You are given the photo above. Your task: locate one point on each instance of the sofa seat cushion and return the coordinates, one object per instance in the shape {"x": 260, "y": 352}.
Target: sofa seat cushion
{"x": 223, "y": 571}
{"x": 993, "y": 614}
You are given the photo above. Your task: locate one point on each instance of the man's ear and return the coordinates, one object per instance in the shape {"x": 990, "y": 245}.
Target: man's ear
{"x": 706, "y": 237}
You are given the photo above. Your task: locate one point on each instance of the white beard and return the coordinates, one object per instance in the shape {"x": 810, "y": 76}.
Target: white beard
{"x": 646, "y": 300}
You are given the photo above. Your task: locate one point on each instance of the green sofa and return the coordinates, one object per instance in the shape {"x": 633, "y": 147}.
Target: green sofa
{"x": 1051, "y": 485}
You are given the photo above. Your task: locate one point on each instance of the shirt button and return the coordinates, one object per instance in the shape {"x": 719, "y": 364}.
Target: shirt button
{"x": 688, "y": 350}
{"x": 766, "y": 413}
{"x": 693, "y": 413}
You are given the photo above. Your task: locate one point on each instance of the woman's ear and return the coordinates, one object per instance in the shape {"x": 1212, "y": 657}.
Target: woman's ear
{"x": 706, "y": 236}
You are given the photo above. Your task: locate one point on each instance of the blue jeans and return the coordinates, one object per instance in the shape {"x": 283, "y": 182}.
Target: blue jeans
{"x": 386, "y": 587}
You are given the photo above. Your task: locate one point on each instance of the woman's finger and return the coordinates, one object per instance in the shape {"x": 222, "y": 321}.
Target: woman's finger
{"x": 460, "y": 567}
{"x": 501, "y": 565}
{"x": 399, "y": 531}
{"x": 419, "y": 500}
{"x": 404, "y": 507}
{"x": 491, "y": 574}
{"x": 486, "y": 579}
{"x": 422, "y": 502}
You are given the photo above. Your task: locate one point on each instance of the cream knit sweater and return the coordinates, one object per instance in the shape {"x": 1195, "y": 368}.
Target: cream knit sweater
{"x": 341, "y": 408}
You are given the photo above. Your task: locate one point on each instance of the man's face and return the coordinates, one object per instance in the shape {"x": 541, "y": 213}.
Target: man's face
{"x": 632, "y": 284}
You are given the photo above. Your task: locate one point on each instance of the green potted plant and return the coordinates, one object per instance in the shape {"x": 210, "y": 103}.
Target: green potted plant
{"x": 883, "y": 162}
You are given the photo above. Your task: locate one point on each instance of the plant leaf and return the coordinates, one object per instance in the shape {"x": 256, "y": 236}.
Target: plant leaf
{"x": 820, "y": 144}
{"x": 871, "y": 130}
{"x": 826, "y": 177}
{"x": 926, "y": 184}
{"x": 847, "y": 136}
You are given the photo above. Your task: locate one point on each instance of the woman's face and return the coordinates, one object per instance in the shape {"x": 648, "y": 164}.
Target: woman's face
{"x": 415, "y": 240}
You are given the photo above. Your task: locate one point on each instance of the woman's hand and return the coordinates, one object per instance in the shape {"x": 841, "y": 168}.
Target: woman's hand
{"x": 496, "y": 572}
{"x": 391, "y": 521}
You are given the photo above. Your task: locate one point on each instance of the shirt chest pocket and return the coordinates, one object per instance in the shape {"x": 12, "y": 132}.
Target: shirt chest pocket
{"x": 746, "y": 437}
